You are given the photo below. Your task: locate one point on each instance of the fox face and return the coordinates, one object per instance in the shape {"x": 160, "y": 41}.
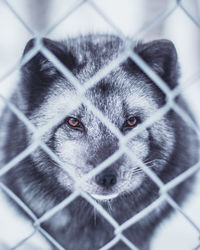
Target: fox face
{"x": 125, "y": 98}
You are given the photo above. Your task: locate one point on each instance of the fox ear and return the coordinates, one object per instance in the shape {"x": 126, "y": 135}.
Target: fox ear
{"x": 40, "y": 63}
{"x": 54, "y": 46}
{"x": 161, "y": 56}
{"x": 40, "y": 73}
{"x": 29, "y": 46}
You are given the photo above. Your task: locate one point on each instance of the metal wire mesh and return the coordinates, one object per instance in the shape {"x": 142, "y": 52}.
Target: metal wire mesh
{"x": 123, "y": 149}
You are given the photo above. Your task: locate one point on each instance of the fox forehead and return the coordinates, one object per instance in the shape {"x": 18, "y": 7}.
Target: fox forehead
{"x": 64, "y": 102}
{"x": 117, "y": 95}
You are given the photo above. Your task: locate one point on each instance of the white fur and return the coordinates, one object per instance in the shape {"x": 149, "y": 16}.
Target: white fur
{"x": 104, "y": 197}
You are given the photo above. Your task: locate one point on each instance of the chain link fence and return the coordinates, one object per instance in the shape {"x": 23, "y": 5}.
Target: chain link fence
{"x": 81, "y": 89}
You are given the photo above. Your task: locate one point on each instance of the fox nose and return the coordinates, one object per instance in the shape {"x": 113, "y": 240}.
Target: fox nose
{"x": 107, "y": 178}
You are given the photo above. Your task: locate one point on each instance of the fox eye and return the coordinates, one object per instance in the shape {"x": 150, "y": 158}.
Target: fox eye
{"x": 74, "y": 123}
{"x": 131, "y": 122}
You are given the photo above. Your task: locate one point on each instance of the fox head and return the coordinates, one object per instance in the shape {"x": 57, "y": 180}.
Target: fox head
{"x": 85, "y": 131}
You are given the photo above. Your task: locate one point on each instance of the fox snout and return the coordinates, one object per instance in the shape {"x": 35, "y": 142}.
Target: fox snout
{"x": 106, "y": 178}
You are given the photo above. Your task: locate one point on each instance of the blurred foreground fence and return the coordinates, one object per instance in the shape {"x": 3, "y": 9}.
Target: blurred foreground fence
{"x": 170, "y": 94}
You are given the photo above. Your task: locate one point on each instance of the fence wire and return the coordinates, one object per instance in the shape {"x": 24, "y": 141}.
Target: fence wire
{"x": 123, "y": 149}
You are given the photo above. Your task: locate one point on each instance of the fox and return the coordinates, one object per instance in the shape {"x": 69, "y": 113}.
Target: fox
{"x": 81, "y": 140}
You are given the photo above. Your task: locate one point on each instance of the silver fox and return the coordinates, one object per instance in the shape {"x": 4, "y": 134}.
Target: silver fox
{"x": 126, "y": 97}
